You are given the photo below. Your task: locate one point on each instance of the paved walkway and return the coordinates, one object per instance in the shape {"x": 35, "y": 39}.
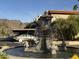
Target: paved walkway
{"x": 15, "y": 57}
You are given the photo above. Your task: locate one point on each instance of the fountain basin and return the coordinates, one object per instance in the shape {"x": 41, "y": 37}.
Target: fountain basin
{"x": 19, "y": 51}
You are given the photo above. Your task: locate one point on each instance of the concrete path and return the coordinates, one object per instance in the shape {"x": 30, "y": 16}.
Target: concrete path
{"x": 15, "y": 57}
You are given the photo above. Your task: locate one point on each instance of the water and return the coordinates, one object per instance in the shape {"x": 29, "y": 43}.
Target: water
{"x": 19, "y": 51}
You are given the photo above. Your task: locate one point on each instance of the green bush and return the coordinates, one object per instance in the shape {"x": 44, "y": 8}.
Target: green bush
{"x": 3, "y": 55}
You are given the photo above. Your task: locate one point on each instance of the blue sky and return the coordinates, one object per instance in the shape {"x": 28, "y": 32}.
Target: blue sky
{"x": 27, "y": 10}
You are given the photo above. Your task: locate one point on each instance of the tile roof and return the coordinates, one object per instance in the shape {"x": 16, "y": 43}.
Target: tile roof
{"x": 63, "y": 12}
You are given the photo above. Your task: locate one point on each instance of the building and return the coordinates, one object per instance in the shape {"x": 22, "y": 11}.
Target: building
{"x": 61, "y": 14}
{"x": 51, "y": 15}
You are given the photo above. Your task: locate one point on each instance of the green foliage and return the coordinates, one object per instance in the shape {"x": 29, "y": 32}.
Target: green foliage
{"x": 75, "y": 7}
{"x": 4, "y": 29}
{"x": 3, "y": 55}
{"x": 74, "y": 19}
{"x": 66, "y": 28}
{"x": 31, "y": 25}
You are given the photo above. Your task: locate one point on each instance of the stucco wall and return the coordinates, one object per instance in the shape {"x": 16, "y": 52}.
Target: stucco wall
{"x": 56, "y": 16}
{"x": 68, "y": 43}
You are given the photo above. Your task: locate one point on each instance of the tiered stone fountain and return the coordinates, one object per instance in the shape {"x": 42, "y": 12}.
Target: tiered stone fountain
{"x": 45, "y": 48}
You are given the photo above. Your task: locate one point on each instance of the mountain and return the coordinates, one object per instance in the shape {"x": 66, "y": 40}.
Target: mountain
{"x": 6, "y": 26}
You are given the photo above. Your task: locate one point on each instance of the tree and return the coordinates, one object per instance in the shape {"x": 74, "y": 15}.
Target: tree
{"x": 74, "y": 19}
{"x": 4, "y": 29}
{"x": 64, "y": 29}
{"x": 31, "y": 25}
{"x": 75, "y": 7}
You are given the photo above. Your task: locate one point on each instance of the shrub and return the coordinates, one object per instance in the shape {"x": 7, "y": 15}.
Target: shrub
{"x": 3, "y": 55}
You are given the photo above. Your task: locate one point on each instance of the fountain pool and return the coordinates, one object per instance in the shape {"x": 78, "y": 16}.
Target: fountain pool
{"x": 19, "y": 51}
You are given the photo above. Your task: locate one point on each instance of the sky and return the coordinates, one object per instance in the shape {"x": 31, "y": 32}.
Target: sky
{"x": 27, "y": 10}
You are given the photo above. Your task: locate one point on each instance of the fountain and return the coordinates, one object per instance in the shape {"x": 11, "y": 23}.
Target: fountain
{"x": 43, "y": 49}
